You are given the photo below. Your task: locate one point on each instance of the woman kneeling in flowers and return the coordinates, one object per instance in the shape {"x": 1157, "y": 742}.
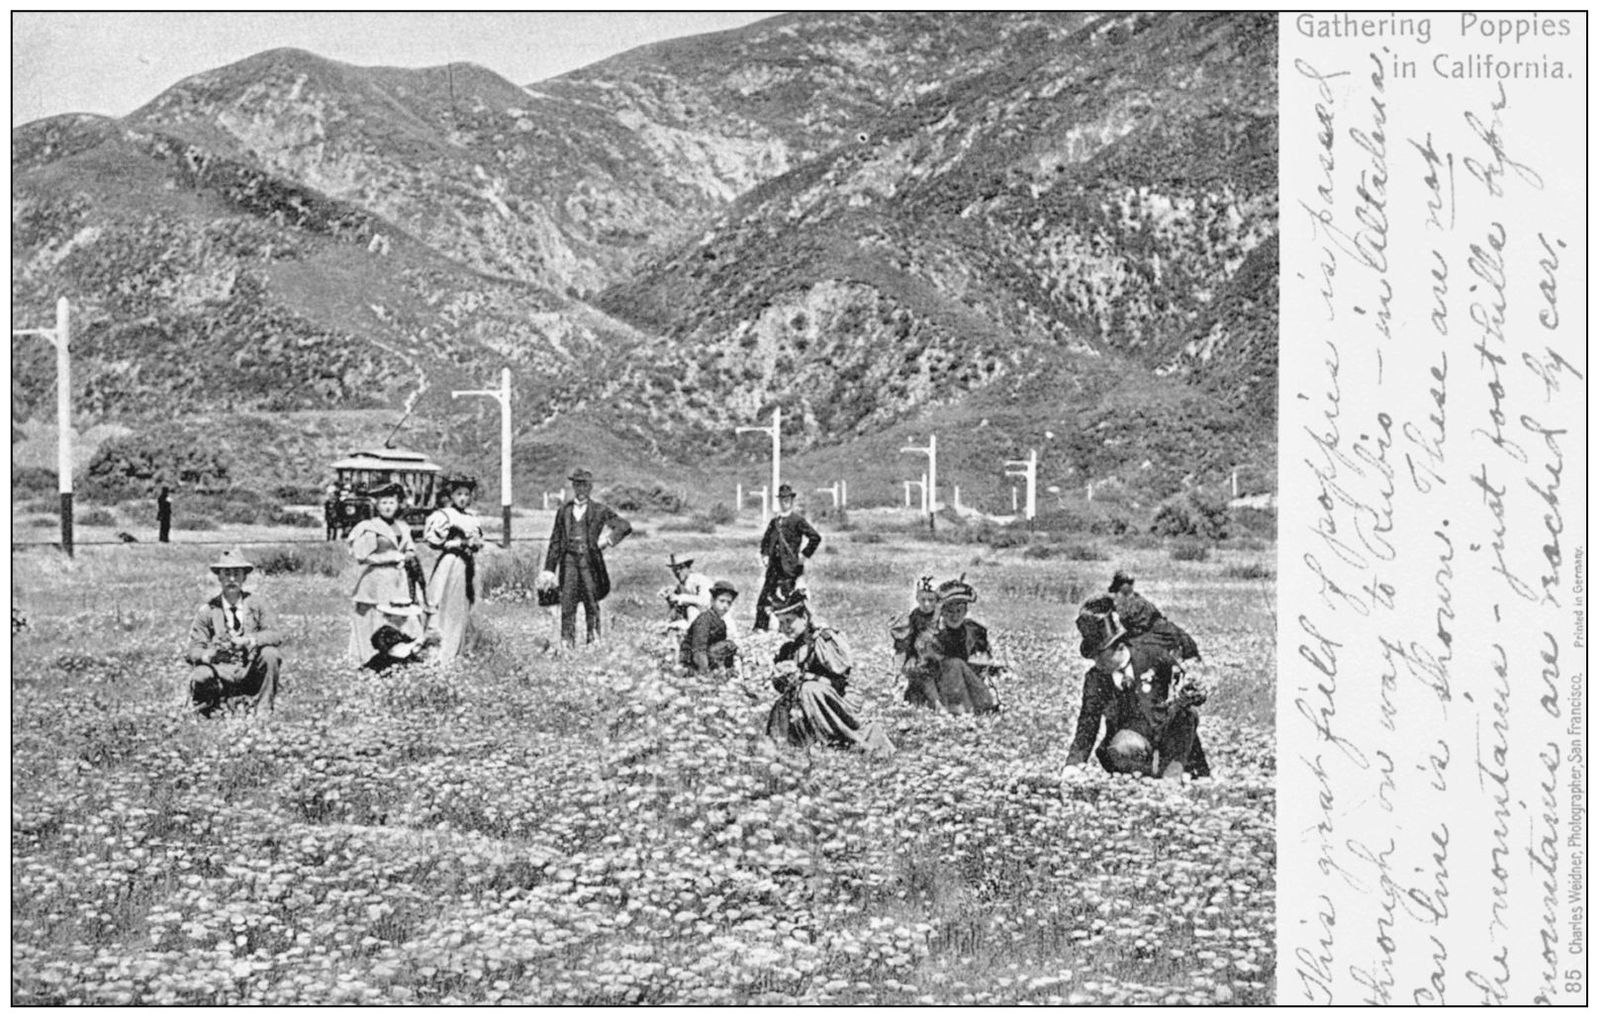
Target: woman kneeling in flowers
{"x": 958, "y": 676}
{"x": 812, "y": 672}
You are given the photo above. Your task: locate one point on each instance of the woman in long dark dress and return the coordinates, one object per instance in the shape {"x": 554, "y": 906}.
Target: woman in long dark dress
{"x": 812, "y": 670}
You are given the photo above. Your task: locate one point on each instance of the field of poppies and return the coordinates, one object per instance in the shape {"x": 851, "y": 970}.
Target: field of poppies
{"x": 594, "y": 829}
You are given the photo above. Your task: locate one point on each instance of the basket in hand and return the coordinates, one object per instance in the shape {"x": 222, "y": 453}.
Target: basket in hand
{"x": 547, "y": 589}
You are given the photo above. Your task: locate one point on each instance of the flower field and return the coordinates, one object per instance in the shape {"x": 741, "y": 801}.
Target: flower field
{"x": 595, "y": 829}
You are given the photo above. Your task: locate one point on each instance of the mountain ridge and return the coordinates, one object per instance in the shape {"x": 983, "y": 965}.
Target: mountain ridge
{"x": 868, "y": 220}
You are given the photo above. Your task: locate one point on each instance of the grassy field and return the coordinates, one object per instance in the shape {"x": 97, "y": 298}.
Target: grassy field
{"x": 594, "y": 829}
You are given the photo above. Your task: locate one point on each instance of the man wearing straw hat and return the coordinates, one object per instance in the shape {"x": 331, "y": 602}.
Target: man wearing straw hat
{"x": 689, "y": 597}
{"x": 234, "y": 644}
{"x": 581, "y": 531}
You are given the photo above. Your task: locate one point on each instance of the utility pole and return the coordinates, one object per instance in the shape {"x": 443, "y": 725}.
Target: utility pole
{"x": 836, "y": 495}
{"x": 762, "y": 496}
{"x": 1027, "y": 469}
{"x": 929, "y": 488}
{"x": 59, "y": 337}
{"x": 504, "y": 396}
{"x": 774, "y": 431}
{"x": 919, "y": 485}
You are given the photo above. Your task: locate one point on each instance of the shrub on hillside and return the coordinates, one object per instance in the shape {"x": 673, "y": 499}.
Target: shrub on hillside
{"x": 237, "y": 513}
{"x": 33, "y": 481}
{"x": 183, "y": 522}
{"x": 1139, "y": 540}
{"x": 1069, "y": 552}
{"x": 633, "y": 498}
{"x": 95, "y": 517}
{"x": 1254, "y": 570}
{"x": 1196, "y": 513}
{"x": 1095, "y": 517}
{"x": 139, "y": 464}
{"x": 301, "y": 520}
{"x": 689, "y": 524}
{"x": 720, "y": 514}
{"x": 865, "y": 537}
{"x": 298, "y": 494}
{"x": 311, "y": 560}
{"x": 1256, "y": 522}
{"x": 1190, "y": 551}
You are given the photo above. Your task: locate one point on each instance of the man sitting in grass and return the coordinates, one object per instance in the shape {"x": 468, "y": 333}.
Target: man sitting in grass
{"x": 705, "y": 648}
{"x": 234, "y": 644}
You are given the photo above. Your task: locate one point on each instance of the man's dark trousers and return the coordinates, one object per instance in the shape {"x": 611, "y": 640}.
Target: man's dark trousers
{"x": 775, "y": 585}
{"x": 577, "y": 585}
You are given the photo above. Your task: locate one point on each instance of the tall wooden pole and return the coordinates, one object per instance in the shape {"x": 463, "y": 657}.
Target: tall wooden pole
{"x": 64, "y": 423}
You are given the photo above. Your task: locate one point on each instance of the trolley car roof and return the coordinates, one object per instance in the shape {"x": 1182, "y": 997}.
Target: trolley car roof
{"x": 399, "y": 459}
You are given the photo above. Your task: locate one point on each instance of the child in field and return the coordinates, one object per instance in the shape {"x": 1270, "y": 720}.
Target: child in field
{"x": 913, "y": 644}
{"x": 705, "y": 647}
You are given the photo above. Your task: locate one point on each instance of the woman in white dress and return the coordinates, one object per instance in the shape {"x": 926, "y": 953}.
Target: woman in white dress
{"x": 382, "y": 545}
{"x": 455, "y": 532}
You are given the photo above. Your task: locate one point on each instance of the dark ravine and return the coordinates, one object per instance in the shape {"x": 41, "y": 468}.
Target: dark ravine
{"x": 1006, "y": 223}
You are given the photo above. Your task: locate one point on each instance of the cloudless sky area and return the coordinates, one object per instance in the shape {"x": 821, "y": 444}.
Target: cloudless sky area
{"x": 113, "y": 63}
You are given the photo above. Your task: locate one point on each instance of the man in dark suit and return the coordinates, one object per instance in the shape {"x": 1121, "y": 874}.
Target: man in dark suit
{"x": 164, "y": 516}
{"x": 787, "y": 542}
{"x": 581, "y": 531}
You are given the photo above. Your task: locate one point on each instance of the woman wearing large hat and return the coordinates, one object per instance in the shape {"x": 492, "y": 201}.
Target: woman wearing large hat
{"x": 382, "y": 545}
{"x": 958, "y": 679}
{"x": 812, "y": 669}
{"x": 455, "y": 532}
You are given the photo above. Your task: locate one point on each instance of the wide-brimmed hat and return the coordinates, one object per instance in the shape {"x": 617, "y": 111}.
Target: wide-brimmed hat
{"x": 459, "y": 480}
{"x": 677, "y": 562}
{"x": 580, "y": 475}
{"x": 389, "y": 639}
{"x": 793, "y": 603}
{"x": 1122, "y": 578}
{"x": 956, "y": 591}
{"x": 722, "y": 586}
{"x": 399, "y": 609}
{"x": 1099, "y": 626}
{"x": 231, "y": 559}
{"x": 785, "y": 491}
{"x": 390, "y": 489}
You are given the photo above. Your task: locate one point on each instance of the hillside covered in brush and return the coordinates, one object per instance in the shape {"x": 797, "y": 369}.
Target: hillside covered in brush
{"x": 874, "y": 221}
